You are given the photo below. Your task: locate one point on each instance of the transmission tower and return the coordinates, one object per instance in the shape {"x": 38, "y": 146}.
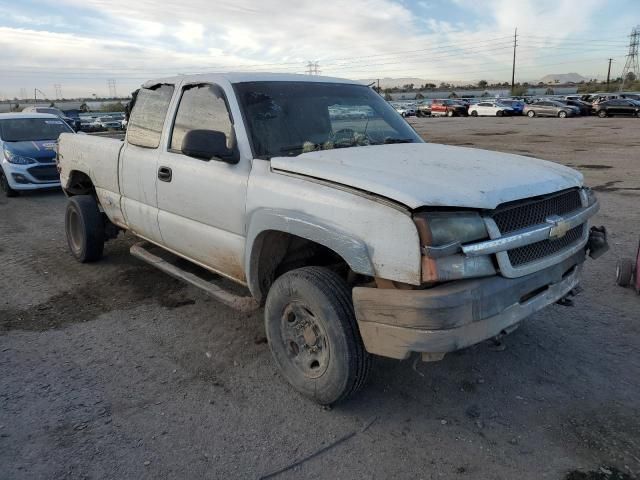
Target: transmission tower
{"x": 23, "y": 93}
{"x": 632, "y": 65}
{"x": 111, "y": 83}
{"x": 58, "y": 89}
{"x": 312, "y": 68}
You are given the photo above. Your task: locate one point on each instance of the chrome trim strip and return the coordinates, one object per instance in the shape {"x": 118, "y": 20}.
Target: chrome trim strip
{"x": 556, "y": 226}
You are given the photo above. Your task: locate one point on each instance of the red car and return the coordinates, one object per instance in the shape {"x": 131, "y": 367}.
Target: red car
{"x": 449, "y": 108}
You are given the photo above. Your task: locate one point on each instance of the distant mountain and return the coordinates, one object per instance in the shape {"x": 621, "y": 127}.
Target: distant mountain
{"x": 398, "y": 82}
{"x": 563, "y": 78}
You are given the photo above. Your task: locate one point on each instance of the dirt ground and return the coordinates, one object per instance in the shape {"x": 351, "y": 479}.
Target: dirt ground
{"x": 114, "y": 370}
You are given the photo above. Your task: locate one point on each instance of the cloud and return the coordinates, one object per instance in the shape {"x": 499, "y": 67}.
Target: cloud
{"x": 359, "y": 39}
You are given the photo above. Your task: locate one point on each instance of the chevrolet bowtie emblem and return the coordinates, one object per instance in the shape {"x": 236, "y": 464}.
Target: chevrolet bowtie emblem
{"x": 559, "y": 227}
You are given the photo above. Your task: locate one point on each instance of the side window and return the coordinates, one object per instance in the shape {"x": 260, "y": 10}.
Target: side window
{"x": 202, "y": 107}
{"x": 147, "y": 117}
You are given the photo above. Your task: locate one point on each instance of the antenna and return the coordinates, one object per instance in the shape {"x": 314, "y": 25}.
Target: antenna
{"x": 632, "y": 66}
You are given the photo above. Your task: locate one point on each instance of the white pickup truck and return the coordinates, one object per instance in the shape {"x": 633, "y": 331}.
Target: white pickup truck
{"x": 357, "y": 236}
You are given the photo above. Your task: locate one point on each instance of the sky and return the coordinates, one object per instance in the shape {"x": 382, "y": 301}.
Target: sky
{"x": 74, "y": 48}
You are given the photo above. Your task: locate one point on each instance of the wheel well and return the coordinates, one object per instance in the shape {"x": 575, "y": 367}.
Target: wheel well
{"x": 79, "y": 184}
{"x": 279, "y": 252}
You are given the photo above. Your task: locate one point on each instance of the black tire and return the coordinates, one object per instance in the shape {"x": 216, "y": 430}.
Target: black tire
{"x": 450, "y": 113}
{"x": 84, "y": 226}
{"x": 624, "y": 272}
{"x": 531, "y": 114}
{"x": 474, "y": 113}
{"x": 602, "y": 113}
{"x": 4, "y": 185}
{"x": 315, "y": 302}
{"x": 562, "y": 114}
{"x": 499, "y": 113}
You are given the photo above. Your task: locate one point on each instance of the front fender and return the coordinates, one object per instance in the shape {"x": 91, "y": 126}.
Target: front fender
{"x": 352, "y": 250}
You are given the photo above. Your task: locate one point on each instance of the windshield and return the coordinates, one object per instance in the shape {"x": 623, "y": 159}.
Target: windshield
{"x": 30, "y": 129}
{"x": 290, "y": 118}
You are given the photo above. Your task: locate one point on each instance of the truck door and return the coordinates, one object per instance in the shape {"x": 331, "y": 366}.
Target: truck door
{"x": 202, "y": 202}
{"x": 138, "y": 161}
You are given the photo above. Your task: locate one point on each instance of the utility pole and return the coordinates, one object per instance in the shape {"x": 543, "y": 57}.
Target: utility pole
{"x": 609, "y": 73}
{"x": 513, "y": 70}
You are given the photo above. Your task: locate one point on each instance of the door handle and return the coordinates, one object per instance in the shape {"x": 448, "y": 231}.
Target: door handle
{"x": 165, "y": 174}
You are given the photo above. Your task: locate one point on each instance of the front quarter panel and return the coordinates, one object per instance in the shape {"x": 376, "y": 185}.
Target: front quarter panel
{"x": 374, "y": 237}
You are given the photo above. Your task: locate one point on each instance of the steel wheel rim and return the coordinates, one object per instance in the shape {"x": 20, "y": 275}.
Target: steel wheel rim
{"x": 75, "y": 235}
{"x": 305, "y": 340}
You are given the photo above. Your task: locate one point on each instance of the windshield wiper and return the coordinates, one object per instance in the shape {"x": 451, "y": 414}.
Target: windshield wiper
{"x": 398, "y": 140}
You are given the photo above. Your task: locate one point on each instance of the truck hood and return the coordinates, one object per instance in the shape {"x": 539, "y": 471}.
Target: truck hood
{"x": 428, "y": 174}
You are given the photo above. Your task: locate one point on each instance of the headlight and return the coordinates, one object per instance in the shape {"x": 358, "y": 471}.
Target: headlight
{"x": 17, "y": 159}
{"x": 442, "y": 235}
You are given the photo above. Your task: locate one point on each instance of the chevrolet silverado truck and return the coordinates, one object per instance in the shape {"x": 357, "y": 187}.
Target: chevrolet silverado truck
{"x": 356, "y": 236}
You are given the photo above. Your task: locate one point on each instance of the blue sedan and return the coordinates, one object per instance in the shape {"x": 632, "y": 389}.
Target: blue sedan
{"x": 28, "y": 151}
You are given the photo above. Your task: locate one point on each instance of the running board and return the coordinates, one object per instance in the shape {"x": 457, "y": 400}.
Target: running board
{"x": 237, "y": 302}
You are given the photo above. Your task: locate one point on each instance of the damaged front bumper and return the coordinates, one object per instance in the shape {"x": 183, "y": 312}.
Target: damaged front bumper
{"x": 394, "y": 323}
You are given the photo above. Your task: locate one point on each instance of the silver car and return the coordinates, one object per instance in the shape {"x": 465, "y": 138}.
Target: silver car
{"x": 550, "y": 108}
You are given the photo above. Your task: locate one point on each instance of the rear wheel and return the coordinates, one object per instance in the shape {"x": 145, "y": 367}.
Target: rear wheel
{"x": 562, "y": 114}
{"x": 499, "y": 113}
{"x": 449, "y": 113}
{"x": 531, "y": 114}
{"x": 84, "y": 226}
{"x": 624, "y": 272}
{"x": 4, "y": 185}
{"x": 474, "y": 113}
{"x": 602, "y": 113}
{"x": 313, "y": 334}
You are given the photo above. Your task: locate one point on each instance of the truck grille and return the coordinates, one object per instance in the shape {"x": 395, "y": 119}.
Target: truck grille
{"x": 526, "y": 213}
{"x": 522, "y": 214}
{"x": 45, "y": 173}
{"x": 530, "y": 253}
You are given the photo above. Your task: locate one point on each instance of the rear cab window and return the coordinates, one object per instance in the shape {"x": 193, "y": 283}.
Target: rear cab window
{"x": 148, "y": 116}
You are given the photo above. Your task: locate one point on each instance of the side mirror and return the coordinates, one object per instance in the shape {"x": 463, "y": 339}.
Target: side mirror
{"x": 208, "y": 145}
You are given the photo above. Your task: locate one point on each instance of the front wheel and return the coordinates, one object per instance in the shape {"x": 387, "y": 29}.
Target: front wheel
{"x": 84, "y": 226}
{"x": 499, "y": 113}
{"x": 531, "y": 114}
{"x": 474, "y": 113}
{"x": 449, "y": 113}
{"x": 562, "y": 114}
{"x": 313, "y": 335}
{"x": 4, "y": 185}
{"x": 602, "y": 113}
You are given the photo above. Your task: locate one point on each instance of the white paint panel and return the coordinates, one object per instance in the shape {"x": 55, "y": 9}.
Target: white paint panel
{"x": 389, "y": 233}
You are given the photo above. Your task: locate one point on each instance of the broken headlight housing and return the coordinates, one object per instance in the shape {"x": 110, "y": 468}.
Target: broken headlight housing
{"x": 442, "y": 235}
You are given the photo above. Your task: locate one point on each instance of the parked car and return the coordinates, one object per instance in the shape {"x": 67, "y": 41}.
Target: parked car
{"x": 424, "y": 108}
{"x": 405, "y": 110}
{"x": 488, "y": 108}
{"x": 550, "y": 108}
{"x": 618, "y": 106}
{"x": 447, "y": 107}
{"x": 516, "y": 105}
{"x": 72, "y": 122}
{"x": 28, "y": 150}
{"x": 107, "y": 123}
{"x": 584, "y": 107}
{"x": 357, "y": 240}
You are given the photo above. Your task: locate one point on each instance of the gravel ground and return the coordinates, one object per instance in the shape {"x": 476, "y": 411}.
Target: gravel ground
{"x": 114, "y": 370}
